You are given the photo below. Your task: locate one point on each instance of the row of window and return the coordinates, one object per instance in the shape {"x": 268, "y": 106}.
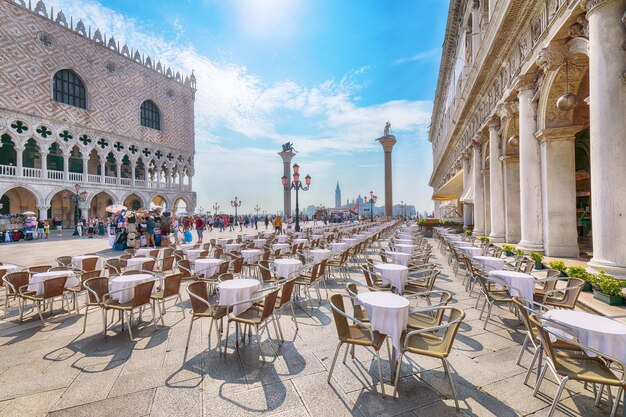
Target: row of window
{"x": 69, "y": 89}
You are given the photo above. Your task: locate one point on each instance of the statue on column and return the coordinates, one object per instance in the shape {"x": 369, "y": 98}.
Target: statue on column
{"x": 288, "y": 147}
{"x": 387, "y": 128}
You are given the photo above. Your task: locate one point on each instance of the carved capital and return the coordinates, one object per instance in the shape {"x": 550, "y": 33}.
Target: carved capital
{"x": 551, "y": 57}
{"x": 526, "y": 83}
{"x": 507, "y": 109}
{"x": 567, "y": 133}
{"x": 589, "y": 5}
{"x": 494, "y": 123}
{"x": 43, "y": 207}
{"x": 580, "y": 29}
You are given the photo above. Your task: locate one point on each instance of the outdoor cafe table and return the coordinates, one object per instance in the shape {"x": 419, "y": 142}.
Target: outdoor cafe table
{"x": 454, "y": 238}
{"x": 258, "y": 243}
{"x": 126, "y": 285}
{"x": 320, "y": 254}
{"x": 237, "y": 290}
{"x": 223, "y": 241}
{"x": 350, "y": 241}
{"x": 399, "y": 258}
{"x": 143, "y": 251}
{"x": 337, "y": 247}
{"x": 282, "y": 238}
{"x": 328, "y": 234}
{"x": 388, "y": 313}
{"x": 284, "y": 247}
{"x": 186, "y": 246}
{"x": 232, "y": 247}
{"x": 489, "y": 262}
{"x": 251, "y": 256}
{"x": 36, "y": 281}
{"x": 77, "y": 261}
{"x": 206, "y": 267}
{"x": 267, "y": 234}
{"x": 287, "y": 268}
{"x": 136, "y": 263}
{"x": 249, "y": 238}
{"x": 192, "y": 254}
{"x": 405, "y": 248}
{"x": 315, "y": 237}
{"x": 519, "y": 283}
{"x": 298, "y": 241}
{"x": 600, "y": 333}
{"x": 393, "y": 274}
{"x": 404, "y": 241}
{"x": 8, "y": 268}
{"x": 471, "y": 250}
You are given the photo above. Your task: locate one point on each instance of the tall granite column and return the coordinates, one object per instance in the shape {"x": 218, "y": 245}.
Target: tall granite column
{"x": 467, "y": 207}
{"x": 496, "y": 183}
{"x": 479, "y": 196}
{"x": 510, "y": 166}
{"x": 607, "y": 101}
{"x": 388, "y": 141}
{"x": 286, "y": 157}
{"x": 530, "y": 168}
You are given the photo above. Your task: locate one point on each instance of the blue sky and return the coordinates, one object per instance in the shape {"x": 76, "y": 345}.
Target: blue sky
{"x": 323, "y": 74}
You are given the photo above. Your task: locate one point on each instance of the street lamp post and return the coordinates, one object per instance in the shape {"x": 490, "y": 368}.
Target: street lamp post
{"x": 216, "y": 208}
{"x": 296, "y": 184}
{"x": 372, "y": 200}
{"x": 257, "y": 209}
{"x": 235, "y": 203}
{"x": 77, "y": 197}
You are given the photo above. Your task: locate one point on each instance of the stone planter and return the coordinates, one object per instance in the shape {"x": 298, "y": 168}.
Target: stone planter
{"x": 587, "y": 287}
{"x": 539, "y": 266}
{"x": 508, "y": 253}
{"x": 612, "y": 300}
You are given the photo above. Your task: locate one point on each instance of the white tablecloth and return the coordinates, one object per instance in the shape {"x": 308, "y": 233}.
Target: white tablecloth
{"x": 206, "y": 267}
{"x": 237, "y": 290}
{"x": 145, "y": 251}
{"x": 284, "y": 247}
{"x": 135, "y": 264}
{"x": 251, "y": 256}
{"x": 232, "y": 247}
{"x": 286, "y": 268}
{"x": 267, "y": 234}
{"x": 337, "y": 247}
{"x": 258, "y": 243}
{"x": 315, "y": 237}
{"x": 320, "y": 254}
{"x": 77, "y": 261}
{"x": 399, "y": 258}
{"x": 393, "y": 274}
{"x": 520, "y": 284}
{"x": 404, "y": 241}
{"x": 192, "y": 254}
{"x": 249, "y": 238}
{"x": 388, "y": 313}
{"x": 36, "y": 281}
{"x": 185, "y": 246}
{"x": 350, "y": 241}
{"x": 489, "y": 262}
{"x": 600, "y": 333}
{"x": 127, "y": 284}
{"x": 282, "y": 238}
{"x": 471, "y": 250}
{"x": 298, "y": 241}
{"x": 454, "y": 238}
{"x": 405, "y": 248}
{"x": 9, "y": 268}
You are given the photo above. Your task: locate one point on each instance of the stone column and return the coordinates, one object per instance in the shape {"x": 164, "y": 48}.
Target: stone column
{"x": 180, "y": 179}
{"x": 496, "y": 183}
{"x": 607, "y": 100}
{"x": 190, "y": 181}
{"x": 133, "y": 172}
{"x": 66, "y": 167}
{"x": 44, "y": 164}
{"x": 157, "y": 176}
{"x": 85, "y": 169}
{"x": 388, "y": 141}
{"x": 467, "y": 208}
{"x": 558, "y": 174}
{"x": 479, "y": 198}
{"x": 102, "y": 168}
{"x": 510, "y": 166}
{"x": 19, "y": 162}
{"x": 146, "y": 175}
{"x": 530, "y": 168}
{"x": 475, "y": 29}
{"x": 487, "y": 197}
{"x": 118, "y": 172}
{"x": 43, "y": 211}
{"x": 286, "y": 157}
{"x": 84, "y": 211}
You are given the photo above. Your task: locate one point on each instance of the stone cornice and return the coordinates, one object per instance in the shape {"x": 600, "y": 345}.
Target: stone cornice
{"x": 557, "y": 133}
{"x": 505, "y": 159}
{"x": 494, "y": 123}
{"x": 526, "y": 83}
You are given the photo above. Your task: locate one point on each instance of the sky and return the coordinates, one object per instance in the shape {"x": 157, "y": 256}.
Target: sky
{"x": 325, "y": 75}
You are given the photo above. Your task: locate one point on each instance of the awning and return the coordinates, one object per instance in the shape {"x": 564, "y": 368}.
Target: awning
{"x": 468, "y": 189}
{"x": 452, "y": 189}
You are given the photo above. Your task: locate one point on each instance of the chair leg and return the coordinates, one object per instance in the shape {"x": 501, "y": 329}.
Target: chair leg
{"x": 104, "y": 322}
{"x": 129, "y": 324}
{"x": 532, "y": 365}
{"x": 395, "y": 382}
{"x": 618, "y": 396}
{"x": 226, "y": 341}
{"x": 332, "y": 367}
{"x": 521, "y": 353}
{"x": 154, "y": 318}
{"x": 557, "y": 396}
{"x": 540, "y": 380}
{"x": 380, "y": 372}
{"x": 39, "y": 311}
{"x": 447, "y": 368}
{"x": 189, "y": 333}
{"x": 258, "y": 341}
{"x": 488, "y": 315}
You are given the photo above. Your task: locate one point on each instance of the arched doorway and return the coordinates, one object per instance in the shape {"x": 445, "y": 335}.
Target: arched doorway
{"x": 18, "y": 200}
{"x": 98, "y": 204}
{"x": 180, "y": 206}
{"x": 133, "y": 202}
{"x": 64, "y": 208}
{"x": 158, "y": 201}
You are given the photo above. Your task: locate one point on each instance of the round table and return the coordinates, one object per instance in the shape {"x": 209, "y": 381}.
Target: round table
{"x": 145, "y": 251}
{"x": 267, "y": 234}
{"x": 489, "y": 262}
{"x": 206, "y": 267}
{"x": 192, "y": 254}
{"x": 185, "y": 246}
{"x": 223, "y": 240}
{"x": 298, "y": 241}
{"x": 519, "y": 283}
{"x": 284, "y": 247}
{"x": 251, "y": 256}
{"x": 471, "y": 250}
{"x": 8, "y": 268}
{"x": 600, "y": 333}
{"x": 404, "y": 241}
{"x": 350, "y": 241}
{"x": 36, "y": 281}
{"x": 230, "y": 247}
{"x": 320, "y": 254}
{"x": 315, "y": 237}
{"x": 388, "y": 313}
{"x": 259, "y": 243}
{"x": 249, "y": 238}
{"x": 125, "y": 284}
{"x": 287, "y": 268}
{"x": 393, "y": 274}
{"x": 454, "y": 238}
{"x": 399, "y": 258}
{"x": 282, "y": 238}
{"x": 405, "y": 248}
{"x": 237, "y": 290}
{"x": 337, "y": 247}
{"x": 136, "y": 263}
{"x": 77, "y": 261}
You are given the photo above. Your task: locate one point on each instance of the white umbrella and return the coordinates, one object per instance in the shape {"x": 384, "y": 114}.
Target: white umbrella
{"x": 29, "y": 213}
{"x": 114, "y": 208}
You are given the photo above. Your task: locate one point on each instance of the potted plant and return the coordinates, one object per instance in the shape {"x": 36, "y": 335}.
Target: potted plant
{"x": 580, "y": 272}
{"x": 535, "y": 256}
{"x": 519, "y": 253}
{"x": 608, "y": 289}
{"x": 559, "y": 266}
{"x": 468, "y": 233}
{"x": 508, "y": 249}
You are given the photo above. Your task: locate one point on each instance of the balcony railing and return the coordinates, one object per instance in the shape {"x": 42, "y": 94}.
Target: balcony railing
{"x": 110, "y": 180}
{"x": 125, "y": 181}
{"x": 31, "y": 172}
{"x": 55, "y": 175}
{"x": 76, "y": 177}
{"x": 93, "y": 178}
{"x": 7, "y": 170}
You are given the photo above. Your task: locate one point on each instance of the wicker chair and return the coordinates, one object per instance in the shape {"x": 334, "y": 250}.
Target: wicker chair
{"x": 39, "y": 268}
{"x": 52, "y": 288}
{"x": 13, "y": 282}
{"x": 64, "y": 260}
{"x": 114, "y": 266}
{"x": 141, "y": 299}
{"x": 202, "y": 308}
{"x": 95, "y": 288}
{"x": 170, "y": 290}
{"x": 89, "y": 264}
{"x": 267, "y": 272}
{"x": 563, "y": 297}
{"x": 75, "y": 291}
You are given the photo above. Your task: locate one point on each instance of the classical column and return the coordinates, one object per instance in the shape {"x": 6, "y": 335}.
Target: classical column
{"x": 180, "y": 179}
{"x": 558, "y": 172}
{"x": 388, "y": 141}
{"x": 19, "y": 163}
{"x": 607, "y": 100}
{"x": 286, "y": 157}
{"x": 158, "y": 177}
{"x": 44, "y": 164}
{"x": 146, "y": 175}
{"x": 190, "y": 182}
{"x": 510, "y": 166}
{"x": 84, "y": 211}
{"x": 467, "y": 207}
{"x": 102, "y": 168}
{"x": 66, "y": 167}
{"x": 479, "y": 198}
{"x": 475, "y": 29}
{"x": 487, "y": 197}
{"x": 43, "y": 211}
{"x": 496, "y": 183}
{"x": 85, "y": 169}
{"x": 118, "y": 172}
{"x": 530, "y": 168}
{"x": 133, "y": 172}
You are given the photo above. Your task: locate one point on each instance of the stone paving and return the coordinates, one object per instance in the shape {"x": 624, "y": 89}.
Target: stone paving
{"x": 56, "y": 370}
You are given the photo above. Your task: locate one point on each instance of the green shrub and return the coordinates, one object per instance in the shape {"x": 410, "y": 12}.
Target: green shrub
{"x": 608, "y": 285}
{"x": 485, "y": 239}
{"x": 519, "y": 252}
{"x": 579, "y": 272}
{"x": 535, "y": 257}
{"x": 508, "y": 248}
{"x": 468, "y": 233}
{"x": 558, "y": 265}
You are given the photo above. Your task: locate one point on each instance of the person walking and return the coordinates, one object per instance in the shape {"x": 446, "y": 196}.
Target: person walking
{"x": 231, "y": 221}
{"x": 278, "y": 225}
{"x": 58, "y": 226}
{"x": 200, "y": 226}
{"x": 267, "y": 221}
{"x": 40, "y": 229}
{"x": 211, "y": 221}
{"x": 256, "y": 219}
{"x": 150, "y": 226}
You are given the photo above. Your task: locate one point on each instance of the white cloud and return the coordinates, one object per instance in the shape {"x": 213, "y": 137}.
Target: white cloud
{"x": 420, "y": 56}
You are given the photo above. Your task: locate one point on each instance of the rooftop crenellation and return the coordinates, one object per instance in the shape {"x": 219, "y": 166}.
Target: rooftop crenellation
{"x": 99, "y": 38}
